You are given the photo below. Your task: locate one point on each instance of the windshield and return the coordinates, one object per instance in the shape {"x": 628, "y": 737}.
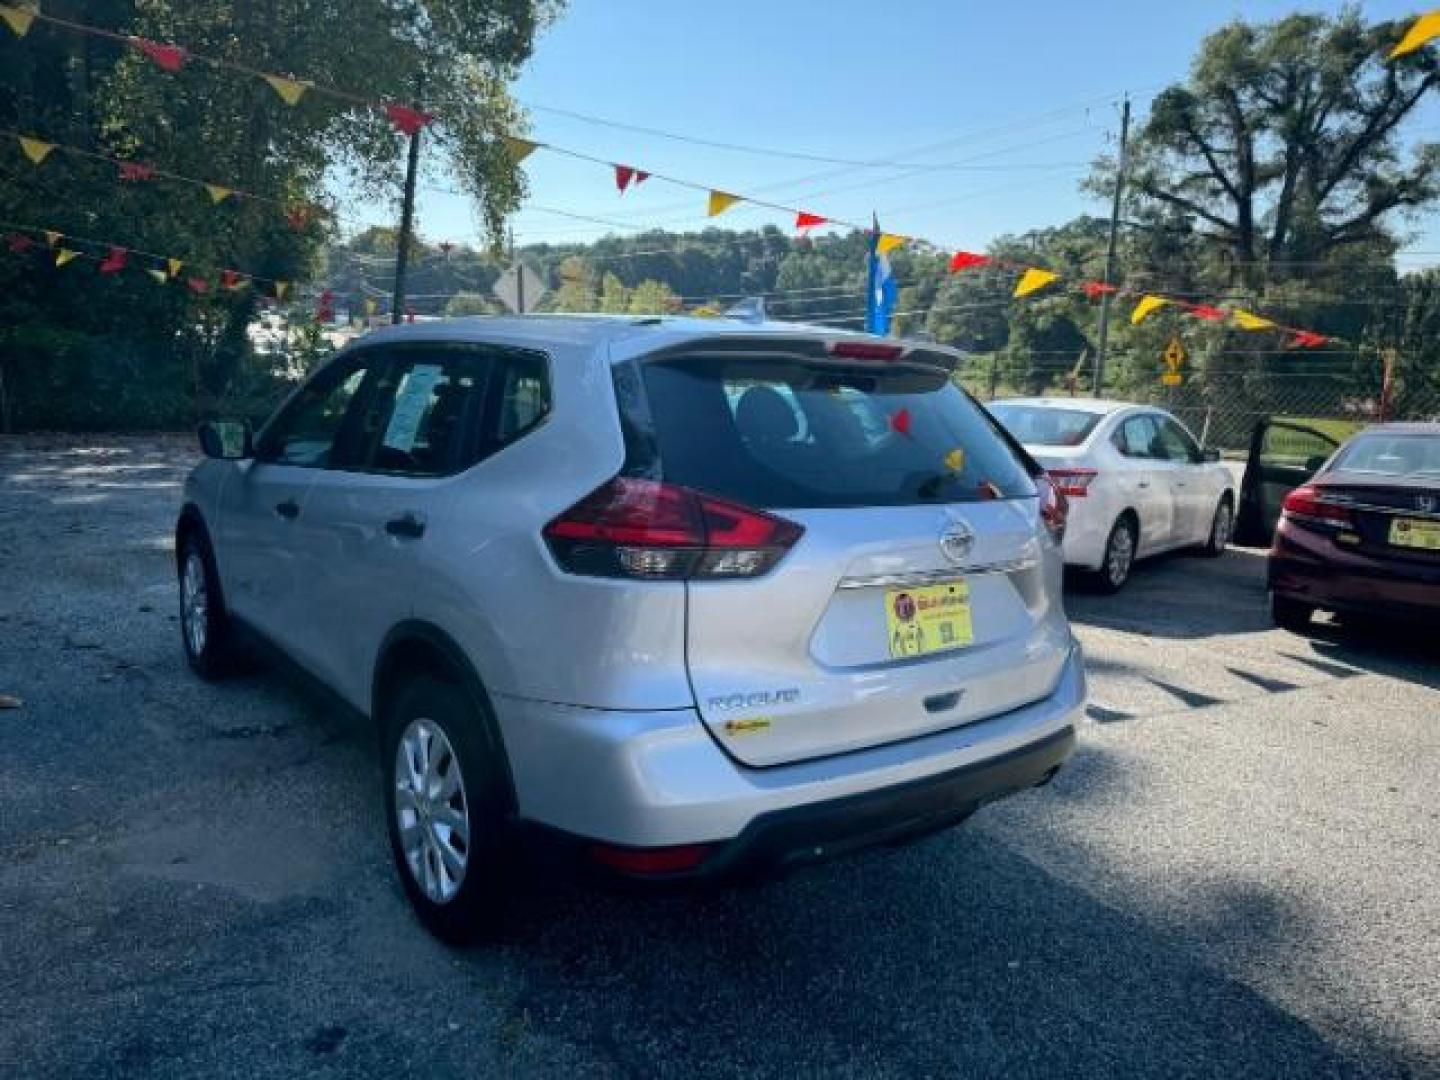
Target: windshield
{"x": 1042, "y": 425}
{"x": 786, "y": 433}
{"x": 1392, "y": 455}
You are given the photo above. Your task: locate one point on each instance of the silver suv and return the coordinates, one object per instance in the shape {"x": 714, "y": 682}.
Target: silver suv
{"x": 686, "y": 599}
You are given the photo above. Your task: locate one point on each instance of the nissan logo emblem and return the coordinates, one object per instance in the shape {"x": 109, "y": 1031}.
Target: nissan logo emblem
{"x": 956, "y": 541}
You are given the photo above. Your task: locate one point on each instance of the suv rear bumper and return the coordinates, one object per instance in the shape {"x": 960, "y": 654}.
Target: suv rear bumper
{"x": 653, "y": 780}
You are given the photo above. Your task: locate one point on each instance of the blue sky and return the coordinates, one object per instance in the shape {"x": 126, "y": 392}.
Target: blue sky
{"x": 1014, "y": 99}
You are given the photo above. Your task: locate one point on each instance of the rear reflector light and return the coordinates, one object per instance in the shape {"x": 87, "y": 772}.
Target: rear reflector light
{"x": 660, "y": 860}
{"x": 1072, "y": 483}
{"x": 1054, "y": 506}
{"x": 645, "y": 529}
{"x": 1308, "y": 505}
{"x": 865, "y": 350}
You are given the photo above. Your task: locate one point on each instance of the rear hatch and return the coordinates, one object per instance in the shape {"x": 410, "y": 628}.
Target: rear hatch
{"x": 916, "y": 597}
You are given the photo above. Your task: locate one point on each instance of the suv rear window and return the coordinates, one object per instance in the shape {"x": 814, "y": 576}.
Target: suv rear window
{"x": 782, "y": 432}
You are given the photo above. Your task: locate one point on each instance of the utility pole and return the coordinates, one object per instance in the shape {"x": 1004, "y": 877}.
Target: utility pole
{"x": 1099, "y": 387}
{"x": 407, "y": 223}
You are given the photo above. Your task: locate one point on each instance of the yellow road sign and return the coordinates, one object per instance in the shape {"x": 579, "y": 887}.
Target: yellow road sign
{"x": 1174, "y": 355}
{"x": 1171, "y": 378}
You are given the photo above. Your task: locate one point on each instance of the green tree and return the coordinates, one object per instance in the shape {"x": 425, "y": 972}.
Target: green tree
{"x": 468, "y": 303}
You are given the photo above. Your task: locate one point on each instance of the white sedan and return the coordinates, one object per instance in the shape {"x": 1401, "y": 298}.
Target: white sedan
{"x": 1137, "y": 481}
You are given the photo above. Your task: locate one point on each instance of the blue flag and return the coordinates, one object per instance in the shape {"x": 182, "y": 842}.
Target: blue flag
{"x": 881, "y": 289}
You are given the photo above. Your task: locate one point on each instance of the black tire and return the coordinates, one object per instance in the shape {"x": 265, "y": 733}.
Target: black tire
{"x": 476, "y": 909}
{"x": 211, "y": 651}
{"x": 1114, "y": 572}
{"x": 1219, "y": 538}
{"x": 1290, "y": 614}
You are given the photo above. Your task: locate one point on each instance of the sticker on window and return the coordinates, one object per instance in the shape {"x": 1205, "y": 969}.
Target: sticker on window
{"x": 412, "y": 401}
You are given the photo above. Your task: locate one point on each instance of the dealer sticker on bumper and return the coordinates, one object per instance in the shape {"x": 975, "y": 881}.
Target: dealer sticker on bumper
{"x": 1407, "y": 532}
{"x": 927, "y": 619}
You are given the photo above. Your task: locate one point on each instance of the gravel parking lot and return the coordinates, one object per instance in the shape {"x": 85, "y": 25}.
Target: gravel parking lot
{"x": 1238, "y": 875}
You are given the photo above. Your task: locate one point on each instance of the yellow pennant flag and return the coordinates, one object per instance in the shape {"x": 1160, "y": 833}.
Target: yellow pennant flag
{"x": 281, "y": 288}
{"x": 219, "y": 194}
{"x": 64, "y": 255}
{"x": 519, "y": 149}
{"x": 1247, "y": 321}
{"x": 158, "y": 275}
{"x": 173, "y": 266}
{"x": 720, "y": 201}
{"x": 370, "y": 306}
{"x": 1147, "y": 306}
{"x": 52, "y": 237}
{"x": 290, "y": 90}
{"x": 1423, "y": 30}
{"x": 36, "y": 150}
{"x": 1033, "y": 280}
{"x": 17, "y": 18}
{"x": 888, "y": 242}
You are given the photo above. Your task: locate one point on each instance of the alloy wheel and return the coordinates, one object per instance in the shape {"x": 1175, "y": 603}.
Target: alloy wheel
{"x": 1120, "y": 555}
{"x": 431, "y": 810}
{"x": 1220, "y": 530}
{"x": 194, "y": 603}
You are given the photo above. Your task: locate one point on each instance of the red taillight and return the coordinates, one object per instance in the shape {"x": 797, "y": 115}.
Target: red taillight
{"x": 865, "y": 350}
{"x": 645, "y": 529}
{"x": 1308, "y": 505}
{"x": 1072, "y": 483}
{"x": 1054, "y": 506}
{"x": 661, "y": 860}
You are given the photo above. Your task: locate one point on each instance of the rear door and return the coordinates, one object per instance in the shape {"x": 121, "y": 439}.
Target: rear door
{"x": 1283, "y": 455}
{"x": 1190, "y": 482}
{"x": 1149, "y": 476}
{"x": 916, "y": 599}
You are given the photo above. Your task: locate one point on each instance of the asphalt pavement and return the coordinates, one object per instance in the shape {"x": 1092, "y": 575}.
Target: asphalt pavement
{"x": 1238, "y": 875}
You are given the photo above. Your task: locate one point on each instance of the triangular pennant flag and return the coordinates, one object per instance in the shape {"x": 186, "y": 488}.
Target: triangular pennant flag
{"x": 1147, "y": 306}
{"x": 1096, "y": 289}
{"x": 1306, "y": 339}
{"x": 1248, "y": 321}
{"x": 114, "y": 262}
{"x": 900, "y": 421}
{"x": 19, "y": 243}
{"x": 35, "y": 149}
{"x": 407, "y": 121}
{"x": 519, "y": 149}
{"x": 370, "y": 307}
{"x": 804, "y": 221}
{"x": 17, "y": 18}
{"x": 281, "y": 288}
{"x": 167, "y": 57}
{"x": 173, "y": 266}
{"x": 719, "y": 202}
{"x": 219, "y": 194}
{"x": 52, "y": 237}
{"x": 1424, "y": 29}
{"x": 1206, "y": 312}
{"x": 64, "y": 255}
{"x": 966, "y": 260}
{"x": 1033, "y": 280}
{"x": 230, "y": 279}
{"x": 290, "y": 90}
{"x": 623, "y": 175}
{"x": 197, "y": 285}
{"x": 136, "y": 171}
{"x": 887, "y": 243}
{"x": 158, "y": 275}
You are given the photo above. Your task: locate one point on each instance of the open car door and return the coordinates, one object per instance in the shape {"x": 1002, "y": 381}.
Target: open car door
{"x": 1283, "y": 455}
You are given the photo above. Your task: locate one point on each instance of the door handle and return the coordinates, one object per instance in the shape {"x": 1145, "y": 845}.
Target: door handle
{"x": 407, "y": 525}
{"x": 1143, "y": 484}
{"x": 289, "y": 509}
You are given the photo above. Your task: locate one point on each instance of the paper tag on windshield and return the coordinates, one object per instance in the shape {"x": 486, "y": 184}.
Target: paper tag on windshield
{"x": 411, "y": 401}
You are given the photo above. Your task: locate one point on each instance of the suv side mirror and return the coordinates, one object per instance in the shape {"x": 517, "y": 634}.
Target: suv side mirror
{"x": 228, "y": 440}
{"x": 1210, "y": 455}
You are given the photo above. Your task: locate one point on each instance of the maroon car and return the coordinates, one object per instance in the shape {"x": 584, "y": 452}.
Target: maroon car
{"x": 1363, "y": 534}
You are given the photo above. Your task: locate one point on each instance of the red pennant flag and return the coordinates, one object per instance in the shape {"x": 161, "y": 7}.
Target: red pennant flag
{"x": 136, "y": 171}
{"x": 804, "y": 221}
{"x": 967, "y": 260}
{"x": 169, "y": 58}
{"x": 1306, "y": 339}
{"x": 1206, "y": 312}
{"x": 900, "y": 421}
{"x": 325, "y": 307}
{"x": 229, "y": 279}
{"x": 407, "y": 121}
{"x": 623, "y": 175}
{"x": 19, "y": 243}
{"x": 1096, "y": 289}
{"x": 197, "y": 285}
{"x": 114, "y": 262}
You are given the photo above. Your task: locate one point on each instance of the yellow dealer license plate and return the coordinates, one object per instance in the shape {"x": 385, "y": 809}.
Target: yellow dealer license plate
{"x": 929, "y": 618}
{"x": 1407, "y": 532}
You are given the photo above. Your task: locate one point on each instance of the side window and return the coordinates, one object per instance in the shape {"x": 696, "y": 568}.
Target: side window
{"x": 419, "y": 419}
{"x": 1137, "y": 438}
{"x": 1178, "y": 445}
{"x": 309, "y": 430}
{"x": 522, "y": 387}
